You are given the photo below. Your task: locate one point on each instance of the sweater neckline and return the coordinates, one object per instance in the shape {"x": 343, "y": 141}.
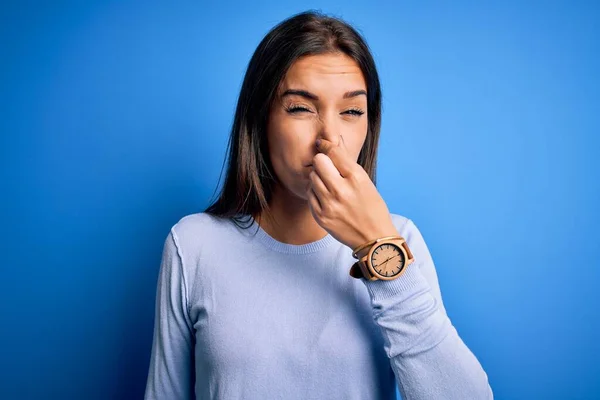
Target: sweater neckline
{"x": 288, "y": 248}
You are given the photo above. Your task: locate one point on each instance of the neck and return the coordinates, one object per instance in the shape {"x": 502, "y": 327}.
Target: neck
{"x": 290, "y": 221}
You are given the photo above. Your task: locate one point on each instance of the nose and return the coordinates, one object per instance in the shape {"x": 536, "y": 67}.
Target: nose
{"x": 329, "y": 128}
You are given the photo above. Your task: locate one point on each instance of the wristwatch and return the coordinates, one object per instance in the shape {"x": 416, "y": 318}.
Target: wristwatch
{"x": 387, "y": 259}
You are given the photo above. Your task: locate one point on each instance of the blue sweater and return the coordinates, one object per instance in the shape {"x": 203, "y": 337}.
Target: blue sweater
{"x": 240, "y": 315}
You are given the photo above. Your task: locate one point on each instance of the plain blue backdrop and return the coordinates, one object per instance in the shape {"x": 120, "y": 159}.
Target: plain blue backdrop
{"x": 114, "y": 124}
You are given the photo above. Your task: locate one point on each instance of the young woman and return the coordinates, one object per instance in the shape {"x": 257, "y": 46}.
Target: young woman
{"x": 262, "y": 295}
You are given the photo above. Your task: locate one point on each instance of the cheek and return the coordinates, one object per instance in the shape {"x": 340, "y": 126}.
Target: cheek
{"x": 355, "y": 140}
{"x": 289, "y": 143}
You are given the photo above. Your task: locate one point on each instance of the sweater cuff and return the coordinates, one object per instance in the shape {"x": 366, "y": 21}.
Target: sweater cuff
{"x": 410, "y": 281}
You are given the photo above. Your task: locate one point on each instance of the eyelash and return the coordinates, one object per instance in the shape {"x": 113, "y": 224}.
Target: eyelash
{"x": 353, "y": 111}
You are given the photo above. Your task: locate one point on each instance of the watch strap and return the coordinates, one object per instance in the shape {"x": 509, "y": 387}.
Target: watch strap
{"x": 355, "y": 271}
{"x": 360, "y": 270}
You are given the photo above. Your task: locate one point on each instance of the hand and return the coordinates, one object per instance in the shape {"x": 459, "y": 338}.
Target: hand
{"x": 343, "y": 199}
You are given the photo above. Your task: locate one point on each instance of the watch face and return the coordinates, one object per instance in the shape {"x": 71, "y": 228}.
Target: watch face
{"x": 388, "y": 260}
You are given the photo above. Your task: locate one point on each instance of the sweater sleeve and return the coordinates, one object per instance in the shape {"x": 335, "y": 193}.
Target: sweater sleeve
{"x": 427, "y": 355}
{"x": 171, "y": 371}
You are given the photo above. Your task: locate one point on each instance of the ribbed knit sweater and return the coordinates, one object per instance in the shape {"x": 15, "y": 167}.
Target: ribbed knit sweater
{"x": 241, "y": 315}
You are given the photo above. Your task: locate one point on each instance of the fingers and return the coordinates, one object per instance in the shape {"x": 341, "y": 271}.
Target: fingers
{"x": 327, "y": 172}
{"x": 318, "y": 187}
{"x": 339, "y": 155}
{"x": 333, "y": 163}
{"x": 313, "y": 201}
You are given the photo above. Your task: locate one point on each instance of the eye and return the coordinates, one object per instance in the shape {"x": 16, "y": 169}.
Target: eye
{"x": 296, "y": 109}
{"x": 354, "y": 112}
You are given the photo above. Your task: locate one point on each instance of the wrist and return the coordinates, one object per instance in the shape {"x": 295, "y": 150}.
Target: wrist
{"x": 372, "y": 238}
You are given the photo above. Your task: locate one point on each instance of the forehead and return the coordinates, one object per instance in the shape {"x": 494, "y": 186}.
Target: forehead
{"x": 325, "y": 73}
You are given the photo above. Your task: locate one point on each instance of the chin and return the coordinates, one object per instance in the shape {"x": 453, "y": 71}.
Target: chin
{"x": 296, "y": 189}
{"x": 299, "y": 192}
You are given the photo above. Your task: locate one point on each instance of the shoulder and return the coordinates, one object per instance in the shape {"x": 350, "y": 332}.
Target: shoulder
{"x": 197, "y": 224}
{"x": 193, "y": 231}
{"x": 408, "y": 229}
{"x": 196, "y": 238}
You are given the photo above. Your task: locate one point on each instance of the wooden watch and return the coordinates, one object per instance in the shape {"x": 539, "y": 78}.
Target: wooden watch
{"x": 387, "y": 259}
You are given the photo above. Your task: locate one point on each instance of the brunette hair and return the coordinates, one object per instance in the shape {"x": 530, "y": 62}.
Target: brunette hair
{"x": 250, "y": 177}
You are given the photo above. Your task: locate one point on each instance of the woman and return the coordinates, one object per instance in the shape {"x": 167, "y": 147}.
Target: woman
{"x": 256, "y": 299}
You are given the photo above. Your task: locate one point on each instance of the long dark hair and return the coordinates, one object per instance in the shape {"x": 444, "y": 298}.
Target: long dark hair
{"x": 250, "y": 177}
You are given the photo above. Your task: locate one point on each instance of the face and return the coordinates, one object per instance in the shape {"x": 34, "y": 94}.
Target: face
{"x": 321, "y": 96}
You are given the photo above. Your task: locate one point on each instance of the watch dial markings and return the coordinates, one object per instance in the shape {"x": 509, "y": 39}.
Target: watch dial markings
{"x": 388, "y": 260}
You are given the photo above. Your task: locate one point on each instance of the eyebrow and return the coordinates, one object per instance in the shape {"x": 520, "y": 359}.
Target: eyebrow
{"x": 313, "y": 96}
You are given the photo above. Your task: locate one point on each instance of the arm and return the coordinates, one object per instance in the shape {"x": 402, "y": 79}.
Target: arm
{"x": 427, "y": 355}
{"x": 171, "y": 372}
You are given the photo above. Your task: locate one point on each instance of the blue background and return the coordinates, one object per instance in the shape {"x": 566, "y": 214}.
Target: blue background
{"x": 114, "y": 123}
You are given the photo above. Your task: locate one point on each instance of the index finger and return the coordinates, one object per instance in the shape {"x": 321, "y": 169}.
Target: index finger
{"x": 338, "y": 154}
